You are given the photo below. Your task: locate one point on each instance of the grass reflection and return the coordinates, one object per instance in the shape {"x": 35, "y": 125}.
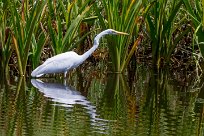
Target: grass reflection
{"x": 153, "y": 104}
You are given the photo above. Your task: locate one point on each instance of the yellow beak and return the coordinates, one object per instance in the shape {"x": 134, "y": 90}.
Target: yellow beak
{"x": 122, "y": 33}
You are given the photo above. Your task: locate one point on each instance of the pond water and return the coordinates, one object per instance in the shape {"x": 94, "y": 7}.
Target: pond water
{"x": 143, "y": 103}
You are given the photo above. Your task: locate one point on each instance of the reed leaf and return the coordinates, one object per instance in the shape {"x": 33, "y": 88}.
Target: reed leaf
{"x": 72, "y": 30}
{"x": 119, "y": 15}
{"x": 36, "y": 15}
{"x": 136, "y": 43}
{"x": 196, "y": 13}
{"x": 62, "y": 40}
{"x": 53, "y": 35}
{"x": 5, "y": 38}
{"x": 37, "y": 48}
{"x": 160, "y": 20}
{"x": 18, "y": 55}
{"x": 24, "y": 30}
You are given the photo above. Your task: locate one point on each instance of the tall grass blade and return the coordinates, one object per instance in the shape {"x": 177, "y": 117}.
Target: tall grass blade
{"x": 23, "y": 32}
{"x": 5, "y": 38}
{"x": 36, "y": 15}
{"x": 18, "y": 55}
{"x": 37, "y": 48}
{"x": 161, "y": 26}
{"x": 71, "y": 31}
{"x": 119, "y": 15}
{"x": 63, "y": 34}
{"x": 196, "y": 13}
{"x": 136, "y": 43}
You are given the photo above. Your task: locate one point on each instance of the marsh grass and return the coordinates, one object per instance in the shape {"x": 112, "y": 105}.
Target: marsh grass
{"x": 161, "y": 27}
{"x": 38, "y": 43}
{"x": 196, "y": 13}
{"x": 64, "y": 25}
{"x": 24, "y": 25}
{"x": 5, "y": 38}
{"x": 121, "y": 16}
{"x": 28, "y": 27}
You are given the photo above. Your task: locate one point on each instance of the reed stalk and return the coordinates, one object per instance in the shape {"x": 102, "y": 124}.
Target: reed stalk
{"x": 161, "y": 20}
{"x": 121, "y": 16}
{"x": 5, "y": 38}
{"x": 195, "y": 11}
{"x": 24, "y": 26}
{"x": 64, "y": 25}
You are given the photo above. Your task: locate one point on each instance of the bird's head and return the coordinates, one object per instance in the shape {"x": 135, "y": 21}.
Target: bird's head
{"x": 105, "y": 32}
{"x": 114, "y": 32}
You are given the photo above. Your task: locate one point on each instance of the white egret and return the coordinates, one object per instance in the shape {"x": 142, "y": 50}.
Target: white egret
{"x": 63, "y": 62}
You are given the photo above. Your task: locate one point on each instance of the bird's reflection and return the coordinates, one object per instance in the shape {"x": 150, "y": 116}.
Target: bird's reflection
{"x": 68, "y": 97}
{"x": 60, "y": 93}
{"x": 64, "y": 95}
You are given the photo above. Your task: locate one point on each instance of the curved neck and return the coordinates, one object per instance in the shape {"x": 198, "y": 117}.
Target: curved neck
{"x": 95, "y": 45}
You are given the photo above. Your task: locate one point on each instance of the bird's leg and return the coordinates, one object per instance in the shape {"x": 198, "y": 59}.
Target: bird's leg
{"x": 65, "y": 81}
{"x": 65, "y": 74}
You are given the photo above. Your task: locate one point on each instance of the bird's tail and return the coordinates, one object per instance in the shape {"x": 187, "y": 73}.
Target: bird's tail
{"x": 37, "y": 72}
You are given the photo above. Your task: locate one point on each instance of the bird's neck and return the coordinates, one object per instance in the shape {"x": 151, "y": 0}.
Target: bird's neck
{"x": 95, "y": 46}
{"x": 89, "y": 52}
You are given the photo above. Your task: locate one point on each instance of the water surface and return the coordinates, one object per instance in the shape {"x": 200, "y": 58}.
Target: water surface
{"x": 113, "y": 104}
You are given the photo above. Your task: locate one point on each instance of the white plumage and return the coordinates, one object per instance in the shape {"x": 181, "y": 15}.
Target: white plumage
{"x": 58, "y": 64}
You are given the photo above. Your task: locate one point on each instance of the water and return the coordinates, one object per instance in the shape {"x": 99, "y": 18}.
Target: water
{"x": 113, "y": 104}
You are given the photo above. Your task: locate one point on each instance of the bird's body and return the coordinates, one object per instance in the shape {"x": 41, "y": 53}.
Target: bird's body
{"x": 58, "y": 64}
{"x": 61, "y": 63}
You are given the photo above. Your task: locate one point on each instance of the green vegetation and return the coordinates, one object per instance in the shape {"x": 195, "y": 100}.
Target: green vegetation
{"x": 23, "y": 28}
{"x": 31, "y": 31}
{"x": 197, "y": 18}
{"x": 122, "y": 16}
{"x": 161, "y": 26}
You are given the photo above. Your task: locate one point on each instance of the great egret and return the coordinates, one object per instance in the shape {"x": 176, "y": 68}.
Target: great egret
{"x": 61, "y": 63}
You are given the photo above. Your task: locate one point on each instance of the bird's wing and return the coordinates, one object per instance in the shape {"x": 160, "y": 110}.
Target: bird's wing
{"x": 59, "y": 57}
{"x": 57, "y": 64}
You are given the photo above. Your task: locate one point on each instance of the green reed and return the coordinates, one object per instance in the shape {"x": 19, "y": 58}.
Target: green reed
{"x": 195, "y": 11}
{"x": 122, "y": 16}
{"x": 38, "y": 43}
{"x": 5, "y": 38}
{"x": 25, "y": 20}
{"x": 64, "y": 20}
{"x": 28, "y": 26}
{"x": 161, "y": 27}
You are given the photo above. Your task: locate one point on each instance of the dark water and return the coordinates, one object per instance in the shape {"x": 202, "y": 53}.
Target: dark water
{"x": 97, "y": 104}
